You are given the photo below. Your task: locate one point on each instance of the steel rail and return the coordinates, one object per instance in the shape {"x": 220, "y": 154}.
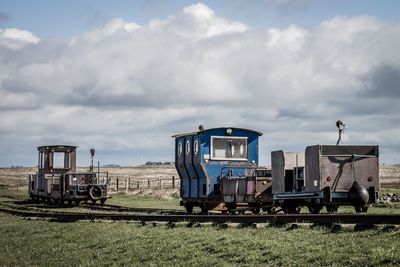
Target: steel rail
{"x": 246, "y": 219}
{"x": 116, "y": 208}
{"x": 104, "y": 207}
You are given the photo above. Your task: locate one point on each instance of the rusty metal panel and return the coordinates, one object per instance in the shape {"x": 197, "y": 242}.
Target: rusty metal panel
{"x": 229, "y": 189}
{"x": 242, "y": 190}
{"x": 281, "y": 161}
{"x": 339, "y": 166}
{"x": 262, "y": 185}
{"x": 312, "y": 167}
{"x": 278, "y": 171}
{"x": 337, "y": 173}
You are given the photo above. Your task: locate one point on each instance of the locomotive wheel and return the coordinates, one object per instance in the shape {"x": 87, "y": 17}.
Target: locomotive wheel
{"x": 95, "y": 192}
{"x": 189, "y": 207}
{"x": 232, "y": 211}
{"x": 314, "y": 208}
{"x": 288, "y": 209}
{"x": 256, "y": 209}
{"x": 332, "y": 208}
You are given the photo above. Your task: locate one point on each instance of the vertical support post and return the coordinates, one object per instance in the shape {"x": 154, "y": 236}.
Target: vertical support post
{"x": 148, "y": 182}
{"x": 138, "y": 185}
{"x": 159, "y": 182}
{"x": 126, "y": 185}
{"x": 173, "y": 182}
{"x": 30, "y": 184}
{"x": 129, "y": 183}
{"x": 117, "y": 184}
{"x": 62, "y": 184}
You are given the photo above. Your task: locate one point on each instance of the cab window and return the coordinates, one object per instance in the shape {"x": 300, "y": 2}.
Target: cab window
{"x": 229, "y": 148}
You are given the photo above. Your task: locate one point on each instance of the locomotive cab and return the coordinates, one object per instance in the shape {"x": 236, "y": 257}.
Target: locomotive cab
{"x": 57, "y": 180}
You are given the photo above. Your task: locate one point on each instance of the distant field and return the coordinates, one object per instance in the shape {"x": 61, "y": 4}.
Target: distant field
{"x": 389, "y": 175}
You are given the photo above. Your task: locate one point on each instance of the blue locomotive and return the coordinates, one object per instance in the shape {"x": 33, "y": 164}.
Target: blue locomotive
{"x": 219, "y": 170}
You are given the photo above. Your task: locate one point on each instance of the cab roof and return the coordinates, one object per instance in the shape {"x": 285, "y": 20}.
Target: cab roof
{"x": 217, "y": 128}
{"x": 57, "y": 147}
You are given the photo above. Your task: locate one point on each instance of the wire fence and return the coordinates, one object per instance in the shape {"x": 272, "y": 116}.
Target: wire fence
{"x": 127, "y": 184}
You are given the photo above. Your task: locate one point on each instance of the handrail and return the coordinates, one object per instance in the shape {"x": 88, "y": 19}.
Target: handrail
{"x": 229, "y": 171}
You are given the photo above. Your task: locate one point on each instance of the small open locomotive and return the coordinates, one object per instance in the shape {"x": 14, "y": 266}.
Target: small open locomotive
{"x": 57, "y": 180}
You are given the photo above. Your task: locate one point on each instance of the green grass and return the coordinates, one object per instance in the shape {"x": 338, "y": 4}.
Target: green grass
{"x": 44, "y": 243}
{"x": 26, "y": 242}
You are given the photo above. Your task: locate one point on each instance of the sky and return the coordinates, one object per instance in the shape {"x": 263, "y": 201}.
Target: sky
{"x": 124, "y": 76}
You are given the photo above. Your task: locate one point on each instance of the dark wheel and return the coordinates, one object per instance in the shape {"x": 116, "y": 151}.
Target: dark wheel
{"x": 95, "y": 192}
{"x": 289, "y": 209}
{"x": 332, "y": 208}
{"x": 189, "y": 207}
{"x": 314, "y": 208}
{"x": 256, "y": 209}
{"x": 103, "y": 200}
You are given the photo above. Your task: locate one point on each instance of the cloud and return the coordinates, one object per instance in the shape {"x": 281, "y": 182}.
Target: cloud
{"x": 125, "y": 87}
{"x": 15, "y": 38}
{"x": 383, "y": 82}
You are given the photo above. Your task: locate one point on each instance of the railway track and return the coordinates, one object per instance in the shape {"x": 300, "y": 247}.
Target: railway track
{"x": 117, "y": 208}
{"x": 201, "y": 218}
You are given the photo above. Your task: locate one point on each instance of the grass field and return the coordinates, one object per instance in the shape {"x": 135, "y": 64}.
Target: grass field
{"x": 47, "y": 243}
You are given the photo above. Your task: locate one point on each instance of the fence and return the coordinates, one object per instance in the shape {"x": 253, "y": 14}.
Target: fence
{"x": 121, "y": 184}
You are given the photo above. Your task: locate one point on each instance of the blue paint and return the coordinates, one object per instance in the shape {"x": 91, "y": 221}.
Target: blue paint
{"x": 200, "y": 170}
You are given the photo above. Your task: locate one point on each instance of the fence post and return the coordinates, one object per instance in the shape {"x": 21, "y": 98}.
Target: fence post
{"x": 173, "y": 182}
{"x": 138, "y": 185}
{"x": 159, "y": 182}
{"x": 129, "y": 183}
{"x": 117, "y": 184}
{"x": 148, "y": 182}
{"x": 126, "y": 185}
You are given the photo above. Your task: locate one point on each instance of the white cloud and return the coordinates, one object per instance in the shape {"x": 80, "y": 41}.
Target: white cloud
{"x": 16, "y": 39}
{"x": 127, "y": 88}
